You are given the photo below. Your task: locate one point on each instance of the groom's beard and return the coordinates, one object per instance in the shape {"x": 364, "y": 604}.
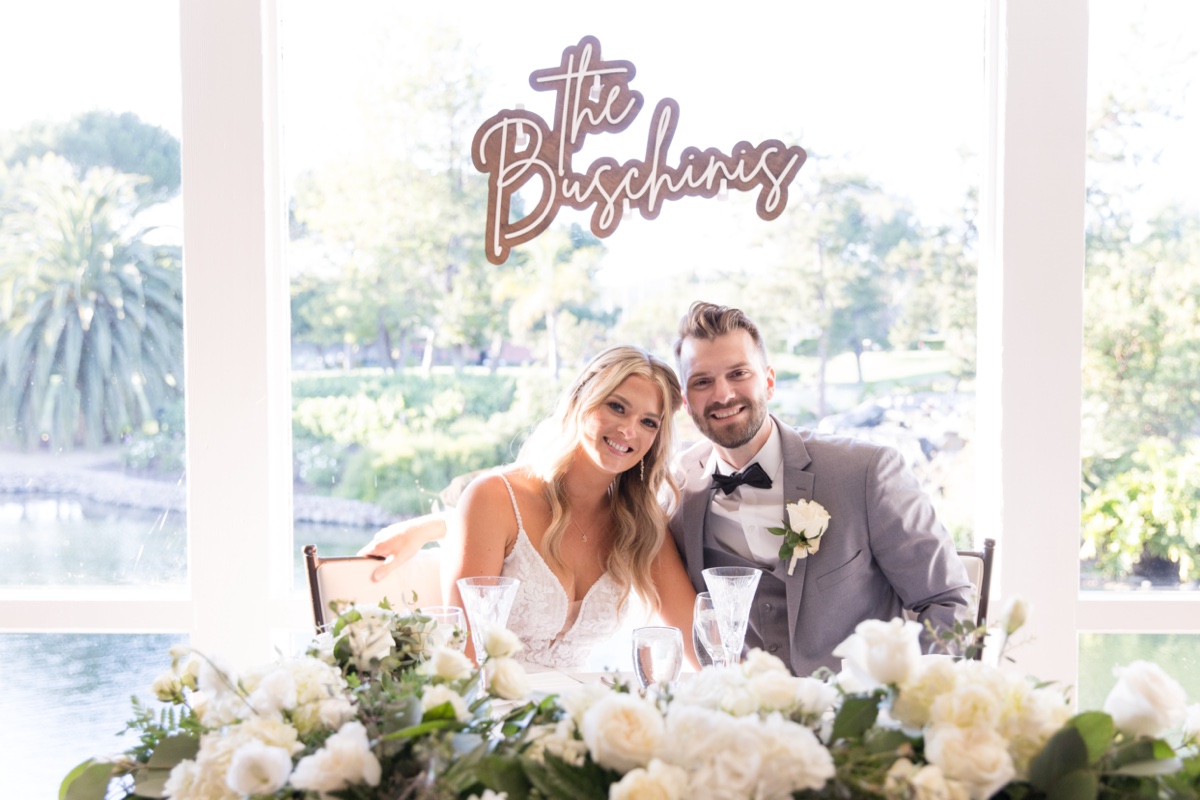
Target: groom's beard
{"x": 733, "y": 436}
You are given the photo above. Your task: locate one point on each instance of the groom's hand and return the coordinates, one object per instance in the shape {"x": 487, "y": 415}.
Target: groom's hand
{"x": 400, "y": 541}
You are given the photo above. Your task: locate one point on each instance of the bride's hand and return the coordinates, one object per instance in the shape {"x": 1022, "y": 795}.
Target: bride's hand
{"x": 400, "y": 541}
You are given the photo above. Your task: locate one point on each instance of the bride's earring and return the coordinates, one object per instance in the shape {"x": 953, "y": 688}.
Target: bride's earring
{"x": 642, "y": 466}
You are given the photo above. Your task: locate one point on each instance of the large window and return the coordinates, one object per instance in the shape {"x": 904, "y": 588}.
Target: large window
{"x": 416, "y": 361}
{"x": 92, "y": 495}
{"x": 1141, "y": 436}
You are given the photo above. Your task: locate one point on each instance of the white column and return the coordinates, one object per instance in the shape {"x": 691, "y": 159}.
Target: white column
{"x": 235, "y": 307}
{"x": 1030, "y": 317}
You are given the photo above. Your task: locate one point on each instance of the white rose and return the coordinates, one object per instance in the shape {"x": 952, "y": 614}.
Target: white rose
{"x": 774, "y": 691}
{"x": 506, "y": 679}
{"x": 488, "y": 794}
{"x": 622, "y": 731}
{"x": 723, "y": 688}
{"x": 1014, "y": 615}
{"x": 814, "y": 697}
{"x": 257, "y": 768}
{"x": 965, "y": 705}
{"x": 501, "y": 643}
{"x": 759, "y": 661}
{"x": 577, "y": 700}
{"x": 976, "y": 757}
{"x": 881, "y": 652}
{"x": 167, "y": 686}
{"x": 808, "y": 518}
{"x": 658, "y": 781}
{"x": 448, "y": 664}
{"x": 558, "y": 740}
{"x": 435, "y": 696}
{"x": 935, "y": 677}
{"x": 345, "y": 760}
{"x": 275, "y": 692}
{"x": 1146, "y": 700}
{"x": 908, "y": 781}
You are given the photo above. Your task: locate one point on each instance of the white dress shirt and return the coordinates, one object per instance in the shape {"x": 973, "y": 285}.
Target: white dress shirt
{"x": 749, "y": 509}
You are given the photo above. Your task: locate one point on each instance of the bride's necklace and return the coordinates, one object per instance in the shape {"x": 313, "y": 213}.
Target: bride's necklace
{"x": 582, "y": 533}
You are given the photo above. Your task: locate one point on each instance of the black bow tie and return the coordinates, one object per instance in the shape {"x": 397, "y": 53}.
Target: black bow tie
{"x": 753, "y": 475}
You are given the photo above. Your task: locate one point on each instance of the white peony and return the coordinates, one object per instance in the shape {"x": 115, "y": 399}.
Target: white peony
{"x": 558, "y": 740}
{"x": 345, "y": 760}
{"x": 880, "y": 653}
{"x": 774, "y": 691}
{"x": 793, "y": 759}
{"x": 323, "y": 700}
{"x": 1146, "y": 701}
{"x": 622, "y": 731}
{"x": 658, "y": 781}
{"x": 258, "y": 768}
{"x": 723, "y": 754}
{"x": 719, "y": 688}
{"x": 506, "y": 679}
{"x": 435, "y": 696}
{"x": 976, "y": 757}
{"x": 501, "y": 643}
{"x": 448, "y": 664}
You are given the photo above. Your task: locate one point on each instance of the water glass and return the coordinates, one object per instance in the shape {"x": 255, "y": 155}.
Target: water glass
{"x": 657, "y": 656}
{"x": 450, "y": 626}
{"x": 732, "y": 590}
{"x": 487, "y": 599}
{"x": 706, "y": 633}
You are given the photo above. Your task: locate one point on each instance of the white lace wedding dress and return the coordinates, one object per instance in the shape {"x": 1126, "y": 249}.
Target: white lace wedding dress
{"x": 557, "y": 632}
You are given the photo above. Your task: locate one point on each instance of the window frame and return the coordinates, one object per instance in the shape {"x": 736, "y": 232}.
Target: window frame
{"x": 240, "y": 600}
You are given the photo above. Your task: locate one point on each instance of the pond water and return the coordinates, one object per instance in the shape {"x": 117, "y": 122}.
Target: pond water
{"x": 67, "y": 541}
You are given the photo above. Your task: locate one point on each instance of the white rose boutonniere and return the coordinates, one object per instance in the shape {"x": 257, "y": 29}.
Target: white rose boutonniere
{"x": 802, "y": 531}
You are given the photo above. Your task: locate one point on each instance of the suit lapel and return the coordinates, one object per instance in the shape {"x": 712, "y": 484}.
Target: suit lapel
{"x": 798, "y": 485}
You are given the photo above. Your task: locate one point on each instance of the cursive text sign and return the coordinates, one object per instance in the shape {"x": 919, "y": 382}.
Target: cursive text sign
{"x": 516, "y": 146}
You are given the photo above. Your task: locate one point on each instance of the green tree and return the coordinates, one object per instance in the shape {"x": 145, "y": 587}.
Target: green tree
{"x": 104, "y": 139}
{"x": 832, "y": 254}
{"x": 90, "y": 308}
{"x": 554, "y": 276}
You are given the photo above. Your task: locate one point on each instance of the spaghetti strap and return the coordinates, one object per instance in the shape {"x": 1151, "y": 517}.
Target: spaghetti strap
{"x": 513, "y": 497}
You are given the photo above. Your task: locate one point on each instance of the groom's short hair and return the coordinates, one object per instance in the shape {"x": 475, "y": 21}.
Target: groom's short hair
{"x": 709, "y": 320}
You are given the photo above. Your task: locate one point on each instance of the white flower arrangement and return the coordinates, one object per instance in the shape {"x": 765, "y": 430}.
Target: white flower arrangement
{"x": 370, "y": 724}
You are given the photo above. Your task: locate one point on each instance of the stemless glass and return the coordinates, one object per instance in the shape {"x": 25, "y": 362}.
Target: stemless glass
{"x": 487, "y": 599}
{"x": 732, "y": 590}
{"x": 450, "y": 626}
{"x": 706, "y": 633}
{"x": 657, "y": 656}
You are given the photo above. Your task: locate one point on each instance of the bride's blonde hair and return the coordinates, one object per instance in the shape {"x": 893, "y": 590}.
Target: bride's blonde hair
{"x": 639, "y": 518}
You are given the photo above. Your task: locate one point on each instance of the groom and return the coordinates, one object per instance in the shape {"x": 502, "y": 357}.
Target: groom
{"x": 884, "y": 550}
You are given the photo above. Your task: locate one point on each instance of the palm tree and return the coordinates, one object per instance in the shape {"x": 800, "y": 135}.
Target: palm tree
{"x": 91, "y": 313}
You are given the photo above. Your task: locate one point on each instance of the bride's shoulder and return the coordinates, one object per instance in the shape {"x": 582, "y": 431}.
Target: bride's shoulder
{"x": 493, "y": 488}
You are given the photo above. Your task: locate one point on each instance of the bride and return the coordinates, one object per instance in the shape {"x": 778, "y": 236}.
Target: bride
{"x": 577, "y": 517}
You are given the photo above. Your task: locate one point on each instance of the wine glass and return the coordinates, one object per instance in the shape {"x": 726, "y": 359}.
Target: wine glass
{"x": 732, "y": 590}
{"x": 450, "y": 626}
{"x": 657, "y": 655}
{"x": 487, "y": 599}
{"x": 706, "y": 633}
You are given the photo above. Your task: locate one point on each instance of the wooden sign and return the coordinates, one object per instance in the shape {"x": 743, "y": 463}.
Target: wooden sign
{"x": 516, "y": 146}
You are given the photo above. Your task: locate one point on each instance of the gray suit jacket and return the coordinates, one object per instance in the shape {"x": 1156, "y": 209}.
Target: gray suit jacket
{"x": 884, "y": 550}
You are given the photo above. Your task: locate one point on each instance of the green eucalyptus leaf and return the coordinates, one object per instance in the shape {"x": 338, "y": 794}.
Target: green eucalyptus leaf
{"x": 1140, "y": 750}
{"x": 151, "y": 782}
{"x": 87, "y": 781}
{"x": 1143, "y": 769}
{"x": 1063, "y": 754}
{"x": 885, "y": 740}
{"x": 1081, "y": 784}
{"x": 506, "y": 775}
{"x": 422, "y": 729}
{"x": 1097, "y": 730}
{"x": 172, "y": 750}
{"x": 855, "y": 717}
